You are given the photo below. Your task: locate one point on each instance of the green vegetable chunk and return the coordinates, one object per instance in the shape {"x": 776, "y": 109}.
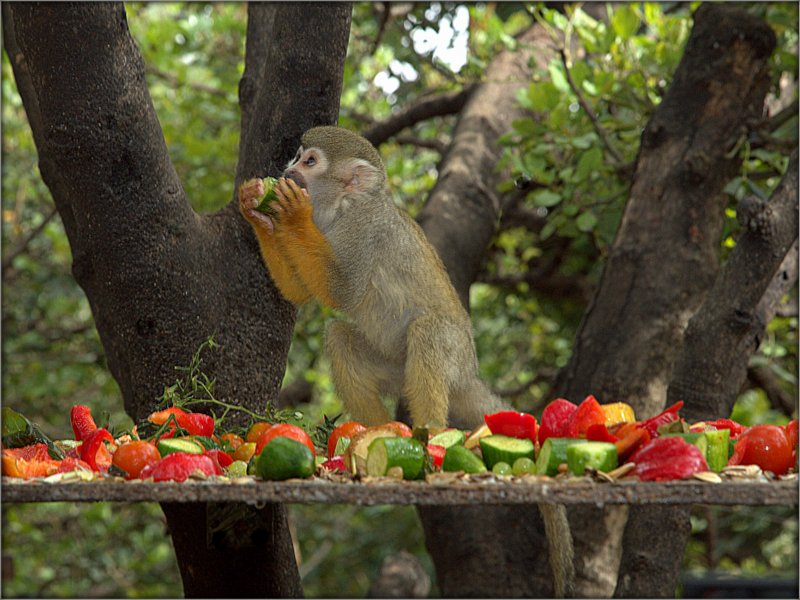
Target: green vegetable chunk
{"x": 596, "y": 455}
{"x": 265, "y": 205}
{"x": 717, "y": 450}
{"x": 385, "y": 453}
{"x": 458, "y": 458}
{"x": 449, "y": 438}
{"x": 284, "y": 458}
{"x": 502, "y": 448}
{"x": 170, "y": 445}
{"x": 553, "y": 454}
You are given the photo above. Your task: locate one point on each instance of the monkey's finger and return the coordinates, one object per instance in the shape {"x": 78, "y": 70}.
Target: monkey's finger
{"x": 262, "y": 220}
{"x": 296, "y": 189}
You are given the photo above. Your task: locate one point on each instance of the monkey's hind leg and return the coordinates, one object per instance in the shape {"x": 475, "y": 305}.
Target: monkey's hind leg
{"x": 427, "y": 378}
{"x": 359, "y": 376}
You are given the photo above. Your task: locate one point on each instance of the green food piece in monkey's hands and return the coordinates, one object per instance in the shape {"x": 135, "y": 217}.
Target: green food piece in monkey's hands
{"x": 265, "y": 205}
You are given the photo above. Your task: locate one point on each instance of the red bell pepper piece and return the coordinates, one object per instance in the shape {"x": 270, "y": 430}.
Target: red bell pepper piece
{"x": 587, "y": 414}
{"x": 667, "y": 416}
{"x": 554, "y": 418}
{"x": 667, "y": 458}
{"x": 735, "y": 428}
{"x": 437, "y": 453}
{"x": 598, "y": 432}
{"x": 91, "y": 445}
{"x": 193, "y": 423}
{"x": 179, "y": 465}
{"x": 223, "y": 459}
{"x": 80, "y": 417}
{"x": 513, "y": 424}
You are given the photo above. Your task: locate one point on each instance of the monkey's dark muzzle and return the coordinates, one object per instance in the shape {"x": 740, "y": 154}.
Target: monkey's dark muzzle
{"x": 295, "y": 176}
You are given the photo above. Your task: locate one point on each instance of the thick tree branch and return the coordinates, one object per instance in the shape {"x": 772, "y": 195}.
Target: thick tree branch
{"x": 729, "y": 326}
{"x": 436, "y": 105}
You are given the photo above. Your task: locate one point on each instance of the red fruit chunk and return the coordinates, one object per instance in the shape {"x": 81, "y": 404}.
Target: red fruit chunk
{"x": 598, "y": 432}
{"x": 346, "y": 430}
{"x": 222, "y": 459}
{"x": 80, "y": 417}
{"x": 667, "y": 458}
{"x": 513, "y": 424}
{"x": 293, "y": 432}
{"x": 193, "y": 423}
{"x": 335, "y": 463}
{"x": 91, "y": 446}
{"x": 735, "y": 428}
{"x": 179, "y": 465}
{"x": 554, "y": 419}
{"x": 437, "y": 453}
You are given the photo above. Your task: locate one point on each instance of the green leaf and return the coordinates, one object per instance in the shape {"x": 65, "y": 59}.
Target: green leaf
{"x": 586, "y": 221}
{"x": 589, "y": 162}
{"x": 625, "y": 21}
{"x": 557, "y": 76}
{"x": 546, "y": 198}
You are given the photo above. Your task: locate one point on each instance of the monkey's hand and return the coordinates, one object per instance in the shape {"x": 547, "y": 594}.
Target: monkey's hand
{"x": 293, "y": 208}
{"x": 250, "y": 194}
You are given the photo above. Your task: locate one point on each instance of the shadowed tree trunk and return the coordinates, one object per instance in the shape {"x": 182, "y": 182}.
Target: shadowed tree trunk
{"x": 159, "y": 277}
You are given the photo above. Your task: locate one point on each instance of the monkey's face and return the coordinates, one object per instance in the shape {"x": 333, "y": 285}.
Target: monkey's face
{"x": 307, "y": 167}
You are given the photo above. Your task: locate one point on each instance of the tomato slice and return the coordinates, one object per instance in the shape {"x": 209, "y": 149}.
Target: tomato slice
{"x": 513, "y": 424}
{"x": 437, "y": 453}
{"x": 345, "y": 430}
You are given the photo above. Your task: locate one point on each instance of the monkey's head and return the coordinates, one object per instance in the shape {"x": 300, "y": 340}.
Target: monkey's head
{"x": 333, "y": 162}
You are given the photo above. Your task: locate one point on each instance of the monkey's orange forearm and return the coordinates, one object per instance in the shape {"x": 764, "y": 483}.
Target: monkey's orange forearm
{"x": 310, "y": 255}
{"x": 281, "y": 271}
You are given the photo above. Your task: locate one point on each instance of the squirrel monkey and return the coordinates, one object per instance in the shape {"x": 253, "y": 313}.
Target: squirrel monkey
{"x": 337, "y": 236}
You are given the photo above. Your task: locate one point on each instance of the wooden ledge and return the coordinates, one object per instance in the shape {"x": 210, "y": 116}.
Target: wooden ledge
{"x": 321, "y": 491}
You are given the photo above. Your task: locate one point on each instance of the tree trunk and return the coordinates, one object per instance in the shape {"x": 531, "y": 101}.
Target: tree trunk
{"x": 663, "y": 262}
{"x": 159, "y": 277}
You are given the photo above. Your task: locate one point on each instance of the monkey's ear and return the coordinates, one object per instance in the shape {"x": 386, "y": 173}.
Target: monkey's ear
{"x": 360, "y": 176}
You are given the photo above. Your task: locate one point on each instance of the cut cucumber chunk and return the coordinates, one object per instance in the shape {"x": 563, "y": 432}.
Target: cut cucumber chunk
{"x": 553, "y": 454}
{"x": 265, "y": 204}
{"x": 458, "y": 458}
{"x": 717, "y": 450}
{"x": 596, "y": 455}
{"x": 170, "y": 445}
{"x": 284, "y": 458}
{"x": 386, "y": 453}
{"x": 448, "y": 438}
{"x": 502, "y": 448}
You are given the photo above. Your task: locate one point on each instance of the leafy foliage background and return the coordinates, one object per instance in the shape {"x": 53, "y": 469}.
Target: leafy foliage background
{"x": 579, "y": 166}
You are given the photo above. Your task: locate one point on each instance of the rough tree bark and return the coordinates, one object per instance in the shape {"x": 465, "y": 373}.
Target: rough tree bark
{"x": 159, "y": 277}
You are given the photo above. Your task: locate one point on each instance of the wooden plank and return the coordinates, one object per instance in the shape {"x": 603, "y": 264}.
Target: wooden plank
{"x": 320, "y": 491}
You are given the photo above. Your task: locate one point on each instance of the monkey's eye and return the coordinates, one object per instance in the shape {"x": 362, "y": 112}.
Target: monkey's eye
{"x": 310, "y": 161}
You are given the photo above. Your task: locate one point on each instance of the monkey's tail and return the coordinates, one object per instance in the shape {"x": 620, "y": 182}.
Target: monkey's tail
{"x": 559, "y": 540}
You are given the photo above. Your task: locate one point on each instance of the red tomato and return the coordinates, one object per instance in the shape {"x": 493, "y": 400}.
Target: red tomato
{"x": 588, "y": 413}
{"x": 791, "y": 432}
{"x": 285, "y": 430}
{"x": 346, "y": 430}
{"x": 231, "y": 441}
{"x": 513, "y": 424}
{"x": 766, "y": 446}
{"x": 437, "y": 453}
{"x": 256, "y": 429}
{"x": 554, "y": 418}
{"x": 135, "y": 456}
{"x": 80, "y": 417}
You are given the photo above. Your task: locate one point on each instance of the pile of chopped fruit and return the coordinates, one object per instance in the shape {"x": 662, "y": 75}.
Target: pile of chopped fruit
{"x": 604, "y": 440}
